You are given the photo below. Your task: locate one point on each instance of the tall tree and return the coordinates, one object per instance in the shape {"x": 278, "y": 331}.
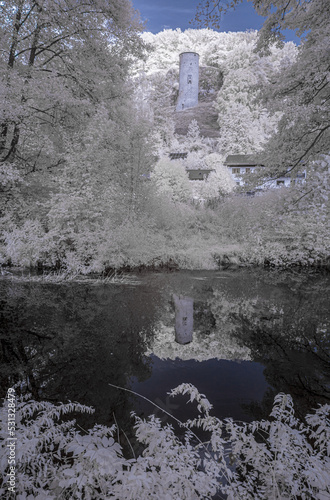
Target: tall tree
{"x": 245, "y": 122}
{"x": 301, "y": 91}
{"x": 59, "y": 59}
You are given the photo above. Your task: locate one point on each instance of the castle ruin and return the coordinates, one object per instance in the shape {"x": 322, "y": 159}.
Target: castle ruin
{"x": 188, "y": 81}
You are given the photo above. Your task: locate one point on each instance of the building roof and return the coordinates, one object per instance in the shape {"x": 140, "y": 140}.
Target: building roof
{"x": 198, "y": 173}
{"x": 202, "y": 167}
{"x": 203, "y": 170}
{"x": 189, "y": 52}
{"x": 178, "y": 156}
{"x": 241, "y": 160}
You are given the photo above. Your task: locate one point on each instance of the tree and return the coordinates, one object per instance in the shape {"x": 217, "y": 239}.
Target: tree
{"x": 220, "y": 181}
{"x": 193, "y": 139}
{"x": 162, "y": 92}
{"x": 245, "y": 121}
{"x": 171, "y": 179}
{"x": 59, "y": 59}
{"x": 279, "y": 15}
{"x": 72, "y": 126}
{"x": 301, "y": 92}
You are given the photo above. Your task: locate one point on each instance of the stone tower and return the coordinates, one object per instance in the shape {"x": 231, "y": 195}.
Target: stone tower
{"x": 188, "y": 81}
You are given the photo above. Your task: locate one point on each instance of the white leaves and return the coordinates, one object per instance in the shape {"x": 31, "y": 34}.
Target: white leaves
{"x": 288, "y": 457}
{"x": 171, "y": 179}
{"x": 68, "y": 472}
{"x": 9, "y": 175}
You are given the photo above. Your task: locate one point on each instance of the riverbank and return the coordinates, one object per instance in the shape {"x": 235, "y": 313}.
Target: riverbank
{"x": 230, "y": 257}
{"x": 237, "y": 232}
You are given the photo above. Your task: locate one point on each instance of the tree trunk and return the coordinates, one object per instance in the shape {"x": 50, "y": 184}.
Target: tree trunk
{"x": 4, "y": 128}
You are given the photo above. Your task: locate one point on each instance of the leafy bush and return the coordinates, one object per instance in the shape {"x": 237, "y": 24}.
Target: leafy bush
{"x": 24, "y": 245}
{"x": 80, "y": 236}
{"x": 276, "y": 458}
{"x": 170, "y": 178}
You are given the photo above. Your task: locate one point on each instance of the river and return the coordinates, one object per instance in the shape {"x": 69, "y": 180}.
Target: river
{"x": 256, "y": 332}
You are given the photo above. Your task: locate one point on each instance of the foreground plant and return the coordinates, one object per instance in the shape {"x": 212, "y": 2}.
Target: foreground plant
{"x": 276, "y": 458}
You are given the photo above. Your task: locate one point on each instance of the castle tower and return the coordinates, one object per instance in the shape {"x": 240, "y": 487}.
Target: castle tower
{"x": 188, "y": 81}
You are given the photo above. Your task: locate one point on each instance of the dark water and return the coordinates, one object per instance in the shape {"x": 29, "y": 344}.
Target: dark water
{"x": 256, "y": 333}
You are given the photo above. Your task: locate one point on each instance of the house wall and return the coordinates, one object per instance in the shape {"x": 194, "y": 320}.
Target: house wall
{"x": 188, "y": 81}
{"x": 238, "y": 171}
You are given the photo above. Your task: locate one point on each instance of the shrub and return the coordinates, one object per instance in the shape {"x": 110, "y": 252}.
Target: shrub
{"x": 276, "y": 458}
{"x": 171, "y": 179}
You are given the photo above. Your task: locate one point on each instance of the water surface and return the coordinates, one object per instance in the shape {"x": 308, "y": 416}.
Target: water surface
{"x": 256, "y": 333}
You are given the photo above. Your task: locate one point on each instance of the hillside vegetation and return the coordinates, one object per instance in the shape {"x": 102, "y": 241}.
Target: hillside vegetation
{"x": 244, "y": 124}
{"x": 86, "y": 182}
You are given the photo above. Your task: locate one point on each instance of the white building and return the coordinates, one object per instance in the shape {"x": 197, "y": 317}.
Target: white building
{"x": 240, "y": 165}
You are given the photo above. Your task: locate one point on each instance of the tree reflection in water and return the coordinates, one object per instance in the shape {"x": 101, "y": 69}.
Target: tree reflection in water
{"x": 296, "y": 355}
{"x": 67, "y": 342}
{"x": 288, "y": 334}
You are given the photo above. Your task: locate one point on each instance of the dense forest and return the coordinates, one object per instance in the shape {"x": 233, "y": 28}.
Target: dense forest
{"x": 88, "y": 121}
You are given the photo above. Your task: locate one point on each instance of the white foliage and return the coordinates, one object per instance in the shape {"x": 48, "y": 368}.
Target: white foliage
{"x": 171, "y": 179}
{"x": 277, "y": 458}
{"x": 9, "y": 175}
{"x": 220, "y": 180}
{"x": 214, "y": 48}
{"x": 217, "y": 344}
{"x": 245, "y": 124}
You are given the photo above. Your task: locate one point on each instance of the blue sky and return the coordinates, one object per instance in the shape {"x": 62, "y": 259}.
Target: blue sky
{"x": 172, "y": 14}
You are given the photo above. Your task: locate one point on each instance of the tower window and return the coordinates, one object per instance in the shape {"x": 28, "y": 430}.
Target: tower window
{"x": 189, "y": 79}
